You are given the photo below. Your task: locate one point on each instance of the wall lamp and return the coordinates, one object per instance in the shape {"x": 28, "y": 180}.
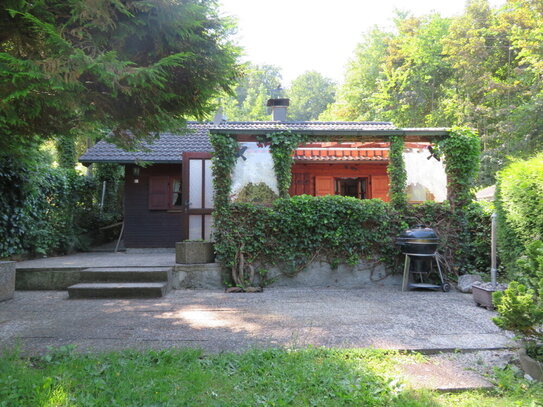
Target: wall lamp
{"x": 136, "y": 174}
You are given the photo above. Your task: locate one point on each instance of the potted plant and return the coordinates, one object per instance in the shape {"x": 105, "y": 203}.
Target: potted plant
{"x": 520, "y": 310}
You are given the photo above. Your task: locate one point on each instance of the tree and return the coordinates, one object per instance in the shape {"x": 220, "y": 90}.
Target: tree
{"x": 133, "y": 67}
{"x": 310, "y": 94}
{"x": 497, "y": 87}
{"x": 256, "y": 85}
{"x": 354, "y": 99}
{"x": 482, "y": 69}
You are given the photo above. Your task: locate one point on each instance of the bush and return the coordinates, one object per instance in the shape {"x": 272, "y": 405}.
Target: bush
{"x": 45, "y": 210}
{"x": 465, "y": 248}
{"x": 520, "y": 307}
{"x": 520, "y": 208}
{"x": 295, "y": 231}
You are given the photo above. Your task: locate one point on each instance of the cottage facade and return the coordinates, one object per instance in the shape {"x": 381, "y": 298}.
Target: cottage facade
{"x": 170, "y": 198}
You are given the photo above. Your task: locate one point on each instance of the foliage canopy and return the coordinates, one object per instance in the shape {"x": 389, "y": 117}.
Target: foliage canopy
{"x": 133, "y": 67}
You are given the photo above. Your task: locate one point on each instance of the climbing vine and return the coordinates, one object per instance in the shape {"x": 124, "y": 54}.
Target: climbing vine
{"x": 462, "y": 151}
{"x": 282, "y": 146}
{"x": 293, "y": 232}
{"x": 223, "y": 162}
{"x": 397, "y": 174}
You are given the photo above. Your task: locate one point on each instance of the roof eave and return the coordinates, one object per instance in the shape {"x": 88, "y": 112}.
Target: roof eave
{"x": 374, "y": 134}
{"x": 85, "y": 161}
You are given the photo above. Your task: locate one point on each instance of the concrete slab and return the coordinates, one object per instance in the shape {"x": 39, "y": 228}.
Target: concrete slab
{"x": 86, "y": 260}
{"x": 443, "y": 376}
{"x": 215, "y": 321}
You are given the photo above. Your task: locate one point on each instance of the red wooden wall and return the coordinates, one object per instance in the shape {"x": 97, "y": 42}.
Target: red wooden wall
{"x": 319, "y": 179}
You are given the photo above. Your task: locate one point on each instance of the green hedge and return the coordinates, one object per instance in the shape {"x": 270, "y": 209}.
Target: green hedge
{"x": 294, "y": 231}
{"x": 520, "y": 208}
{"x": 45, "y": 210}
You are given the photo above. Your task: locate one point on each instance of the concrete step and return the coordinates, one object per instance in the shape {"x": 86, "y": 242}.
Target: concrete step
{"x": 118, "y": 290}
{"x": 126, "y": 274}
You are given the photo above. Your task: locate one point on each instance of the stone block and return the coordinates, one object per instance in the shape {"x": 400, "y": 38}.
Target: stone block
{"x": 198, "y": 276}
{"x": 466, "y": 281}
{"x": 194, "y": 252}
{"x": 7, "y": 280}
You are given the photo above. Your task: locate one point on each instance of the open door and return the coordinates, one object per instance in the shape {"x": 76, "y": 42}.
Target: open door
{"x": 198, "y": 196}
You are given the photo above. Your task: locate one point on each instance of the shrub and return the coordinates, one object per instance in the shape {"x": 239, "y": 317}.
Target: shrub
{"x": 520, "y": 307}
{"x": 295, "y": 231}
{"x": 520, "y": 208}
{"x": 46, "y": 210}
{"x": 465, "y": 248}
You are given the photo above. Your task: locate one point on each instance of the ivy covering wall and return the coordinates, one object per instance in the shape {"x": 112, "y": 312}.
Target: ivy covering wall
{"x": 397, "y": 174}
{"x": 294, "y": 231}
{"x": 282, "y": 146}
{"x": 461, "y": 151}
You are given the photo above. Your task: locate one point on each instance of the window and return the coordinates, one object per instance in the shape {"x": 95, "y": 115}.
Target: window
{"x": 165, "y": 193}
{"x": 176, "y": 193}
{"x": 355, "y": 187}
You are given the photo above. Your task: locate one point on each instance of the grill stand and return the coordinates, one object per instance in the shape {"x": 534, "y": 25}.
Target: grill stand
{"x": 406, "y": 274}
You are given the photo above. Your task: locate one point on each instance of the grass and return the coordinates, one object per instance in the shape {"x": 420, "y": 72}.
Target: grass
{"x": 274, "y": 377}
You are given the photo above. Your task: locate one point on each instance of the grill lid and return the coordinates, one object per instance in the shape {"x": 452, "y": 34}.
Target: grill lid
{"x": 419, "y": 232}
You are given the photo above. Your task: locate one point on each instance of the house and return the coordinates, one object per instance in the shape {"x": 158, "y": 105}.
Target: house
{"x": 170, "y": 198}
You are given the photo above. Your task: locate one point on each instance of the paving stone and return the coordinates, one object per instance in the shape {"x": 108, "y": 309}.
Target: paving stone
{"x": 217, "y": 321}
{"x": 443, "y": 375}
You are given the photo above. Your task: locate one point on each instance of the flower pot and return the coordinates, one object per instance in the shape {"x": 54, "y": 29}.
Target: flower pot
{"x": 7, "y": 279}
{"x": 482, "y": 294}
{"x": 194, "y": 252}
{"x": 531, "y": 366}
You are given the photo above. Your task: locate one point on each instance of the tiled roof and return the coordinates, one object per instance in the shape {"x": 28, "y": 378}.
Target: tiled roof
{"x": 311, "y": 126}
{"x": 168, "y": 148}
{"x": 328, "y": 154}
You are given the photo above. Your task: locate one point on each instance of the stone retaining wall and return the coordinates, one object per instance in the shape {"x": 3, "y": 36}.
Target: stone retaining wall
{"x": 40, "y": 279}
{"x": 316, "y": 275}
{"x": 320, "y": 274}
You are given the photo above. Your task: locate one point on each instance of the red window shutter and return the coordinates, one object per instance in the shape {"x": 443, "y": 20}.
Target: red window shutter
{"x": 300, "y": 184}
{"x": 379, "y": 187}
{"x": 159, "y": 193}
{"x": 324, "y": 185}
{"x": 307, "y": 184}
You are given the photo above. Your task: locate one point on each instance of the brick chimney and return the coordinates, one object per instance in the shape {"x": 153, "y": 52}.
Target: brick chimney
{"x": 278, "y": 108}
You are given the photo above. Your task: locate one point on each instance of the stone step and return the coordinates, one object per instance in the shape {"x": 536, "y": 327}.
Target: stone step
{"x": 126, "y": 274}
{"x": 119, "y": 290}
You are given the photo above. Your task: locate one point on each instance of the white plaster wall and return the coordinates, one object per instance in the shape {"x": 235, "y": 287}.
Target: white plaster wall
{"x": 257, "y": 168}
{"x": 424, "y": 175}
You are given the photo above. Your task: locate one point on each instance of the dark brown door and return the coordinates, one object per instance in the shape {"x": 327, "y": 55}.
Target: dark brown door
{"x": 198, "y": 196}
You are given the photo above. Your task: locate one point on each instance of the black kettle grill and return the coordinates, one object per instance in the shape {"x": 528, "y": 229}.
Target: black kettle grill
{"x": 419, "y": 240}
{"x": 420, "y": 245}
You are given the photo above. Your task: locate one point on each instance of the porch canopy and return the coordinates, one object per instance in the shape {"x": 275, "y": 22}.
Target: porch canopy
{"x": 356, "y": 155}
{"x": 337, "y": 131}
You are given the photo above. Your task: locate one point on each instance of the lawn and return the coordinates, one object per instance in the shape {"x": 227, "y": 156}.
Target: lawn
{"x": 275, "y": 377}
